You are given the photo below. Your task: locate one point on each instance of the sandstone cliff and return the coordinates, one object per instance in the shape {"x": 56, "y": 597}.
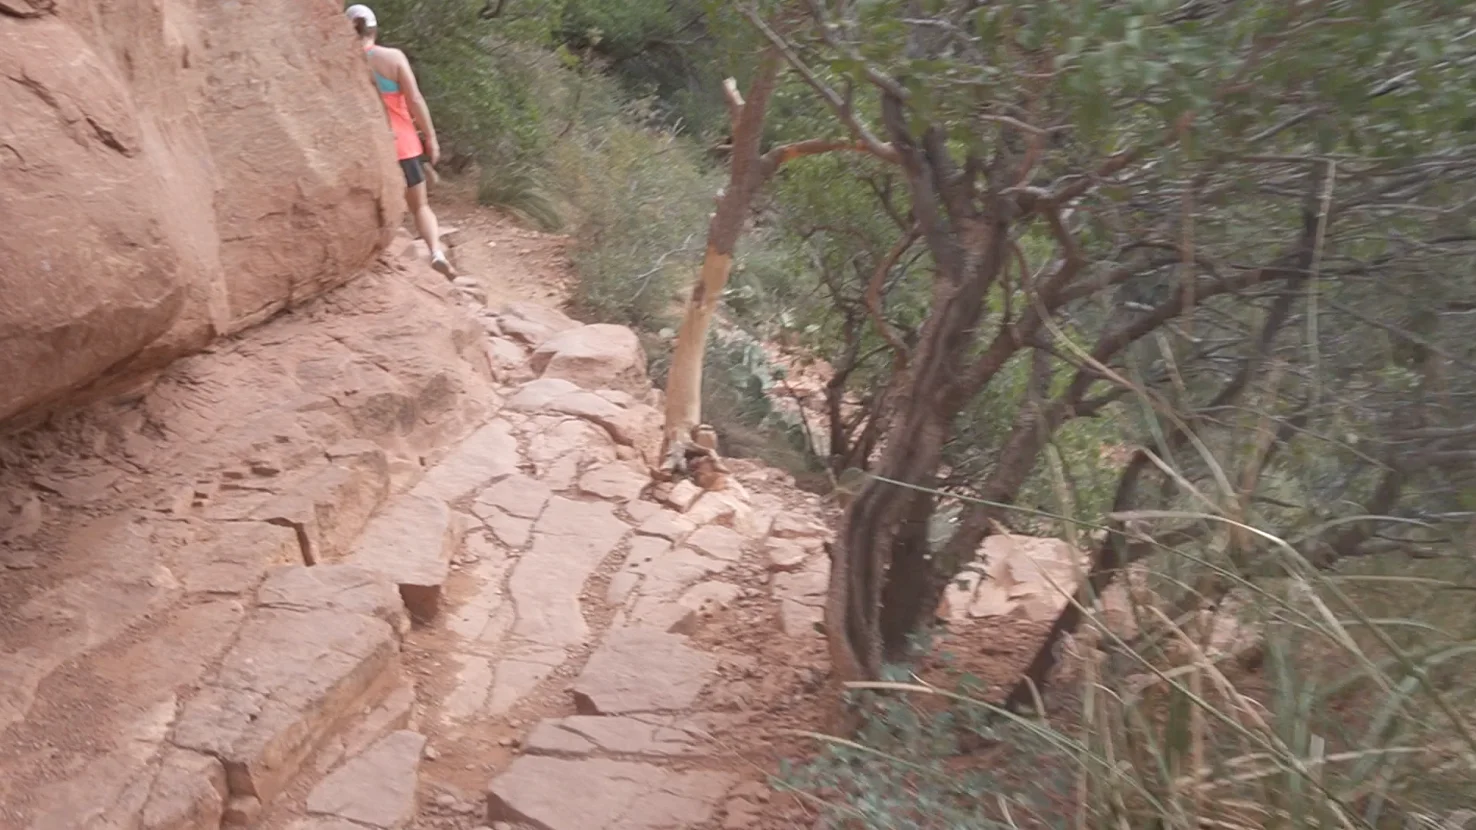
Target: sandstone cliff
{"x": 172, "y": 171}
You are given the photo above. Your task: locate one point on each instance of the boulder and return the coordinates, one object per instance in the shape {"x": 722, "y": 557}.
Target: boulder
{"x": 600, "y": 356}
{"x": 166, "y": 185}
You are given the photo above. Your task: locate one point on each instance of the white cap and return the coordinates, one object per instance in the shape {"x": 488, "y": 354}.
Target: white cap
{"x": 359, "y": 11}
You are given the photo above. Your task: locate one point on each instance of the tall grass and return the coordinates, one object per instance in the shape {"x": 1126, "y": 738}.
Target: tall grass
{"x": 1315, "y": 718}
{"x": 1281, "y": 695}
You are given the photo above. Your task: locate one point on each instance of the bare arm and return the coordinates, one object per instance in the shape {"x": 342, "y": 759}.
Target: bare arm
{"x": 419, "y": 112}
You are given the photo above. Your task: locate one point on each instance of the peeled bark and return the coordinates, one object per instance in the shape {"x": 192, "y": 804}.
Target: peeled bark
{"x": 684, "y": 382}
{"x": 748, "y": 170}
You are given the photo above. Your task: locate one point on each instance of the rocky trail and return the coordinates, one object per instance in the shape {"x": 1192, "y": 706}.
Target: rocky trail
{"x": 392, "y": 559}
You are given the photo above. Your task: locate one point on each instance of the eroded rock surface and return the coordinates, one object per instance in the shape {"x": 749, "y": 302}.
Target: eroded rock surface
{"x": 294, "y": 672}
{"x": 254, "y": 618}
{"x": 179, "y": 587}
{"x": 166, "y": 186}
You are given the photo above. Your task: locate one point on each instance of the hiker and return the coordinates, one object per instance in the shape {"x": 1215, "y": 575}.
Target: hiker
{"x": 407, "y": 111}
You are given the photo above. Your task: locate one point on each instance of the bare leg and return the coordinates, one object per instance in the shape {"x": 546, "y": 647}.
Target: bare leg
{"x": 425, "y": 219}
{"x": 425, "y": 223}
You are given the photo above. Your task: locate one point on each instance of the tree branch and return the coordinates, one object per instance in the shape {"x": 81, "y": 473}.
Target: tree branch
{"x": 874, "y": 299}
{"x": 841, "y": 106}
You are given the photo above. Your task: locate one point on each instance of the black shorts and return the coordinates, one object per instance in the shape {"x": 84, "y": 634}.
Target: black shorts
{"x": 414, "y": 171}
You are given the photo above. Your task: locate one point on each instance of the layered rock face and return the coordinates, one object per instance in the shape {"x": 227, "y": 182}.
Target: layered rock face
{"x": 172, "y": 171}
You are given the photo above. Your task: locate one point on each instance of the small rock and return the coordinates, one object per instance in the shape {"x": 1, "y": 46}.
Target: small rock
{"x": 683, "y": 494}
{"x": 431, "y": 753}
{"x": 786, "y": 555}
{"x": 718, "y": 542}
{"x": 667, "y": 525}
{"x": 446, "y": 800}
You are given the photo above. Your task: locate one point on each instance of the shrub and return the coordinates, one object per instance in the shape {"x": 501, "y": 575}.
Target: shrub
{"x": 1307, "y": 700}
{"x": 639, "y": 201}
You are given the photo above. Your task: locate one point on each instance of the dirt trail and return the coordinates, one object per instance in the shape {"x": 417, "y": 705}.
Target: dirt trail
{"x": 391, "y": 560}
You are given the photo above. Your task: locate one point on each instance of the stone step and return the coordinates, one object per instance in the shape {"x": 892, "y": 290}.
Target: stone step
{"x": 639, "y": 669}
{"x": 598, "y": 793}
{"x": 395, "y": 712}
{"x": 411, "y": 543}
{"x": 413, "y": 538}
{"x": 373, "y": 789}
{"x": 644, "y": 736}
{"x": 321, "y": 647}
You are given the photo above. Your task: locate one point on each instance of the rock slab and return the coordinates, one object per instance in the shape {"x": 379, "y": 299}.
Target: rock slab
{"x": 376, "y": 788}
{"x": 570, "y": 540}
{"x": 411, "y": 543}
{"x": 596, "y": 794}
{"x": 600, "y": 356}
{"x": 292, "y": 676}
{"x": 642, "y": 670}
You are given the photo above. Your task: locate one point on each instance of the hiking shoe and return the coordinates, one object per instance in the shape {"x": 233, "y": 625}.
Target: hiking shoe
{"x": 442, "y": 264}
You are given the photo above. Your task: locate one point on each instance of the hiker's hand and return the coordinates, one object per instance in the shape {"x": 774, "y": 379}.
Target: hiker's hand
{"x": 433, "y": 151}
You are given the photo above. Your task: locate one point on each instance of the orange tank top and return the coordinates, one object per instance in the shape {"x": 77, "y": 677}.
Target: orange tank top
{"x": 407, "y": 139}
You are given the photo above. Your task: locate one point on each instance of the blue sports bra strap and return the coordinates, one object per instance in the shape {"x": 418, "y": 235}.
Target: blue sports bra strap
{"x": 384, "y": 84}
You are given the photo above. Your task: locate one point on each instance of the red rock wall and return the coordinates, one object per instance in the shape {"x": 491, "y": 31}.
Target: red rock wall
{"x": 172, "y": 171}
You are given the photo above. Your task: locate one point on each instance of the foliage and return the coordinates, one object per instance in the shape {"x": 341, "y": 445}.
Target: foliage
{"x": 641, "y": 198}
{"x": 1173, "y": 737}
{"x": 1234, "y": 239}
{"x": 486, "y": 93}
{"x": 1312, "y": 699}
{"x": 740, "y": 394}
{"x": 675, "y": 52}
{"x": 555, "y": 140}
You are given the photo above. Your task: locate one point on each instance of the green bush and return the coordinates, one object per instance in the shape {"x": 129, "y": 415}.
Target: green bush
{"x": 638, "y": 200}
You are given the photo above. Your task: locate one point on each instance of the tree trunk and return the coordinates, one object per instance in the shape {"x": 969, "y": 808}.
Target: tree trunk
{"x": 746, "y": 173}
{"x": 882, "y": 565}
{"x": 748, "y": 170}
{"x": 684, "y": 382}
